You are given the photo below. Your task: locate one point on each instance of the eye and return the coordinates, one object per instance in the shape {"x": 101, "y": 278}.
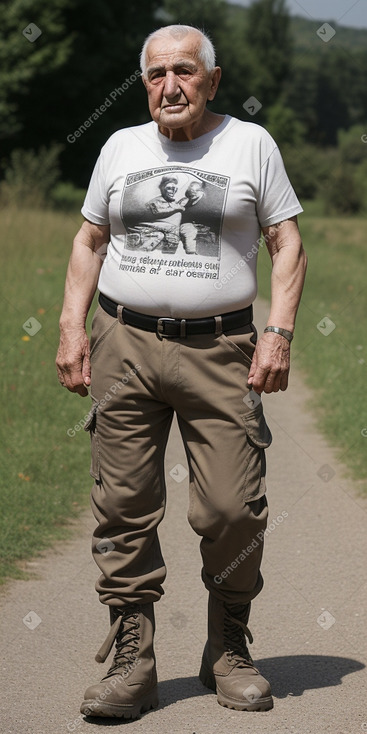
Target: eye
{"x": 184, "y": 72}
{"x": 156, "y": 76}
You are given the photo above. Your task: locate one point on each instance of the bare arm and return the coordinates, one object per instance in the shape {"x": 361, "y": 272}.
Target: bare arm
{"x": 271, "y": 361}
{"x": 72, "y": 360}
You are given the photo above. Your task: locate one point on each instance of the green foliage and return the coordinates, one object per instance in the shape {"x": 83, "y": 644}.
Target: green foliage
{"x": 51, "y": 86}
{"x": 66, "y": 197}
{"x": 269, "y": 38}
{"x": 283, "y": 125}
{"x": 352, "y": 145}
{"x": 308, "y": 167}
{"x": 309, "y": 90}
{"x": 23, "y": 63}
{"x": 43, "y": 471}
{"x": 334, "y": 366}
{"x": 360, "y": 177}
{"x": 29, "y": 176}
{"x": 341, "y": 193}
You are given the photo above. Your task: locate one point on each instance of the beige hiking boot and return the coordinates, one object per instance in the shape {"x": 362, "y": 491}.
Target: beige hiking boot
{"x": 226, "y": 666}
{"x": 130, "y": 686}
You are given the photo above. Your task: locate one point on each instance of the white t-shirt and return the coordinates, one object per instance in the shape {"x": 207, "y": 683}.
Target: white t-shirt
{"x": 185, "y": 217}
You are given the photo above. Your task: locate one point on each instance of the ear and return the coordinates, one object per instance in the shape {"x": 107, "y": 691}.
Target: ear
{"x": 215, "y": 79}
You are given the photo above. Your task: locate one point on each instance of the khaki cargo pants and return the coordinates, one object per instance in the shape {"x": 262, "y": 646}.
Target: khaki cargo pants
{"x": 138, "y": 381}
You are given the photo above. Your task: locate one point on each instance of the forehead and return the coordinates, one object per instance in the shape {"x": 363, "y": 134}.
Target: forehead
{"x": 166, "y": 50}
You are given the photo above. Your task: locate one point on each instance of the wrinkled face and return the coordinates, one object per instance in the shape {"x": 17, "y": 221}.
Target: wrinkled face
{"x": 177, "y": 82}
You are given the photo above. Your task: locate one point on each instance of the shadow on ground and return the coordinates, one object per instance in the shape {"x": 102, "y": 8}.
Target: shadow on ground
{"x": 289, "y": 675}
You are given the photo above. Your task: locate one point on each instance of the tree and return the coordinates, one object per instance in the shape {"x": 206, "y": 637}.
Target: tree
{"x": 53, "y": 85}
{"x": 268, "y": 35}
{"x": 25, "y": 58}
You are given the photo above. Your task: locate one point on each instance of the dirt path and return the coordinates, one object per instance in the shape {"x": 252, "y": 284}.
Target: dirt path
{"x": 309, "y": 623}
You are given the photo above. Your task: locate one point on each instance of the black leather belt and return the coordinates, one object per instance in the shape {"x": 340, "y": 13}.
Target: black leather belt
{"x": 169, "y": 327}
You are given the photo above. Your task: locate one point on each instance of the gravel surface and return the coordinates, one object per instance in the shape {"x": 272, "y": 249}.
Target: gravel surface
{"x": 309, "y": 622}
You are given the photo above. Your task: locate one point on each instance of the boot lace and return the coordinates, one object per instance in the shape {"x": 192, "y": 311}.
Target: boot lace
{"x": 125, "y": 633}
{"x": 235, "y": 634}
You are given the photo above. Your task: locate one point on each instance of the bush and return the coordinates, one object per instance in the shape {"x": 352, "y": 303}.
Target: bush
{"x": 342, "y": 195}
{"x": 308, "y": 168}
{"x": 360, "y": 178}
{"x": 66, "y": 197}
{"x": 29, "y": 176}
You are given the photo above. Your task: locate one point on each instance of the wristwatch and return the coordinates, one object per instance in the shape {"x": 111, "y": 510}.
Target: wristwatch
{"x": 283, "y": 332}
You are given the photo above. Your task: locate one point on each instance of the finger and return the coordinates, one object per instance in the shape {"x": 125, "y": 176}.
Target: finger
{"x": 252, "y": 369}
{"x": 276, "y": 382}
{"x": 82, "y": 391}
{"x": 258, "y": 381}
{"x": 284, "y": 380}
{"x": 86, "y": 371}
{"x": 74, "y": 382}
{"x": 269, "y": 384}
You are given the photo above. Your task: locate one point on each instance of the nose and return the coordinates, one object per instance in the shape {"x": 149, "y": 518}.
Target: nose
{"x": 172, "y": 89}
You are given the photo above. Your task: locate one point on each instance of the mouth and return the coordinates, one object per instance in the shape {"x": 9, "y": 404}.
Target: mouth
{"x": 174, "y": 107}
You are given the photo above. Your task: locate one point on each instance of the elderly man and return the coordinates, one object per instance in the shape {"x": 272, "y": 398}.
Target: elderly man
{"x": 177, "y": 336}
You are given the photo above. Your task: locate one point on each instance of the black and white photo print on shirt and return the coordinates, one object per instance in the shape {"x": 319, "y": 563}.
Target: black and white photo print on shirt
{"x": 174, "y": 210}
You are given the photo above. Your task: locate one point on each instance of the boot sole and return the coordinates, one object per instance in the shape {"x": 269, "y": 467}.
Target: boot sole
{"x": 208, "y": 680}
{"x": 94, "y": 707}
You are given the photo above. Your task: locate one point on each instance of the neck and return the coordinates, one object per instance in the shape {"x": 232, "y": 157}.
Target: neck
{"x": 208, "y": 122}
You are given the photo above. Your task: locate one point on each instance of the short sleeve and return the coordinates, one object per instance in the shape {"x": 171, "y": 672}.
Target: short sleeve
{"x": 95, "y": 207}
{"x": 276, "y": 197}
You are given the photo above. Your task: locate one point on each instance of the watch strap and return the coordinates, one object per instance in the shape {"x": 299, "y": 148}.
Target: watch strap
{"x": 283, "y": 332}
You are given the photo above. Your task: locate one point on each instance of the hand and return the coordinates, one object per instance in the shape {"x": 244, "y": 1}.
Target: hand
{"x": 72, "y": 361}
{"x": 270, "y": 364}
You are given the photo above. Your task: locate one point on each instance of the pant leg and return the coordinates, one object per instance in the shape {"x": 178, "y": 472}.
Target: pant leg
{"x": 129, "y": 425}
{"x": 225, "y": 435}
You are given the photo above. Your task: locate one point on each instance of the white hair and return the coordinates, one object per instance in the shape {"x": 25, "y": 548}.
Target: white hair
{"x": 206, "y": 52}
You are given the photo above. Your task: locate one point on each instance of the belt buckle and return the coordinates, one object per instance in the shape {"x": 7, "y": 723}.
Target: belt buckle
{"x": 160, "y": 327}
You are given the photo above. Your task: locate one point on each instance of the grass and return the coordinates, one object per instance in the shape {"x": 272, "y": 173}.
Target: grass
{"x": 44, "y": 472}
{"x": 334, "y": 365}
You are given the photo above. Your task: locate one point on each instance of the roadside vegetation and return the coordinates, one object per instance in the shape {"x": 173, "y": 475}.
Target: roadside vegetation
{"x": 330, "y": 344}
{"x": 44, "y": 471}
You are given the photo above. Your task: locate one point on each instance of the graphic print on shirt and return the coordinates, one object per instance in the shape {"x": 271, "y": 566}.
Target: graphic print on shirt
{"x": 174, "y": 211}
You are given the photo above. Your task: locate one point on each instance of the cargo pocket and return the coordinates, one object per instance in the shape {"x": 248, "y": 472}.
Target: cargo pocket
{"x": 91, "y": 426}
{"x": 258, "y": 438}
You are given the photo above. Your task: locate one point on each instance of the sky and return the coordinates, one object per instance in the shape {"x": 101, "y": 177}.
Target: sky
{"x": 351, "y": 13}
